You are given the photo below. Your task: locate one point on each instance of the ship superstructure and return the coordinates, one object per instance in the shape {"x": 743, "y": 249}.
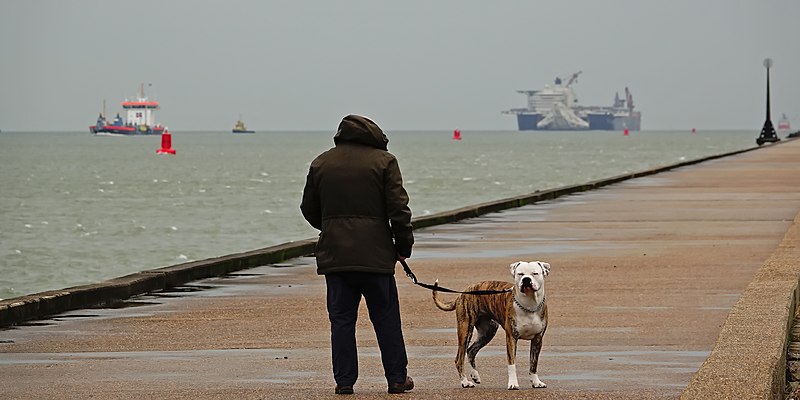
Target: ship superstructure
{"x": 618, "y": 117}
{"x": 557, "y": 108}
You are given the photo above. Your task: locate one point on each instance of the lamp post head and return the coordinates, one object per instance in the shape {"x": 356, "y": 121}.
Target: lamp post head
{"x": 768, "y": 63}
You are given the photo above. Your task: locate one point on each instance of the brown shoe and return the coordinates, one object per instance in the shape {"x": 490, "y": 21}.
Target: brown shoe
{"x": 402, "y": 387}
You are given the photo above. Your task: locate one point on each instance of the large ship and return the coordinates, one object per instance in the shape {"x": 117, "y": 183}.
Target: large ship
{"x": 556, "y": 108}
{"x": 140, "y": 118}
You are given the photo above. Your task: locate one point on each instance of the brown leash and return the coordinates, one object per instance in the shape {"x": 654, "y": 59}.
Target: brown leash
{"x": 437, "y": 288}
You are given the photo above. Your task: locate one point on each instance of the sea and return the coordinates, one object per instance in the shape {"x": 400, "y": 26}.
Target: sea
{"x": 76, "y": 208}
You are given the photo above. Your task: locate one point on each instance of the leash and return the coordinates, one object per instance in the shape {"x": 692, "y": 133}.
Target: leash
{"x": 435, "y": 287}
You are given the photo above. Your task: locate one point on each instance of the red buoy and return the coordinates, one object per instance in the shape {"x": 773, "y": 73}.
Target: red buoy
{"x": 457, "y": 134}
{"x": 166, "y": 143}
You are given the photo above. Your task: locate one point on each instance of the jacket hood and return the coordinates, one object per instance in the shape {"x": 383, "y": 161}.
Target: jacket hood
{"x": 362, "y": 130}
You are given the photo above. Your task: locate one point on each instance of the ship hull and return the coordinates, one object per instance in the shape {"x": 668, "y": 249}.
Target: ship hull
{"x": 597, "y": 122}
{"x": 615, "y": 122}
{"x": 125, "y": 130}
{"x": 528, "y": 122}
{"x": 241, "y": 131}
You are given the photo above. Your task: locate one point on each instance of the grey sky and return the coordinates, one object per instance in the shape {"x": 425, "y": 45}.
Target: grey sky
{"x": 410, "y": 65}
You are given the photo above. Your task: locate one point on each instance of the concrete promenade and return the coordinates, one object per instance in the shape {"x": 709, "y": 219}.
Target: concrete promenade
{"x": 653, "y": 279}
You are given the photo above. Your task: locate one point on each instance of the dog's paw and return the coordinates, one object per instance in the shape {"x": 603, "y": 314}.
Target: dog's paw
{"x": 475, "y": 376}
{"x": 535, "y": 382}
{"x": 513, "y": 383}
{"x": 466, "y": 383}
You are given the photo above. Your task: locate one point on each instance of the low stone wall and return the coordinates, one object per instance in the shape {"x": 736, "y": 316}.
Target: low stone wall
{"x": 749, "y": 358}
{"x": 41, "y": 305}
{"x": 793, "y": 360}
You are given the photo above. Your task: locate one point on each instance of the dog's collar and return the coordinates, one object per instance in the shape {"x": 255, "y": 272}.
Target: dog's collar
{"x": 535, "y": 310}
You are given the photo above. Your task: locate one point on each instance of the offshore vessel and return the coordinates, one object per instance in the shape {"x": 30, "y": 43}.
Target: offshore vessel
{"x": 240, "y": 128}
{"x": 140, "y": 118}
{"x": 556, "y": 108}
{"x": 783, "y": 124}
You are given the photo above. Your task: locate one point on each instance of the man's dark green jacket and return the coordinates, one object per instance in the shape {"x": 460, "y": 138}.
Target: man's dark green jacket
{"x": 354, "y": 195}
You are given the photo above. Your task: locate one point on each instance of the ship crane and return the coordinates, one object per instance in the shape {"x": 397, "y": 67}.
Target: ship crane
{"x": 629, "y": 99}
{"x": 573, "y": 78}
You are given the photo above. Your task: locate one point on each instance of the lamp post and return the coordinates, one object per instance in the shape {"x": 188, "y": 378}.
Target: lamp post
{"x": 768, "y": 131}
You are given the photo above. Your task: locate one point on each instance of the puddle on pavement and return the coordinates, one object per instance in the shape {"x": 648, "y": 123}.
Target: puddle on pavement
{"x": 466, "y": 250}
{"x": 587, "y": 376}
{"x": 654, "y": 354}
{"x": 186, "y": 288}
{"x": 596, "y": 370}
{"x": 286, "y": 377}
{"x": 60, "y": 317}
{"x": 586, "y": 330}
{"x": 123, "y": 304}
{"x": 181, "y": 291}
{"x": 30, "y": 323}
{"x": 440, "y": 330}
{"x": 238, "y": 275}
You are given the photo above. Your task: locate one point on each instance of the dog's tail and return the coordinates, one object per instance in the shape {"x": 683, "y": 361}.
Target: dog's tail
{"x": 442, "y": 305}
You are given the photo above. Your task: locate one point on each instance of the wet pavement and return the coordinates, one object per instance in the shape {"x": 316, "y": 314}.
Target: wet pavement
{"x": 644, "y": 274}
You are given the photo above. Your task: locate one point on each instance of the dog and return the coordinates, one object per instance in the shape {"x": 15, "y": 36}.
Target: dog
{"x": 521, "y": 311}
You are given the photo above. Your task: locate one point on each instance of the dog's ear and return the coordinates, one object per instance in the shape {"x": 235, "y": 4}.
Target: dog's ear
{"x": 513, "y": 267}
{"x": 545, "y": 267}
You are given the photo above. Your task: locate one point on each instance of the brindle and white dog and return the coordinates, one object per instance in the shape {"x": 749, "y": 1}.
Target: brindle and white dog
{"x": 522, "y": 312}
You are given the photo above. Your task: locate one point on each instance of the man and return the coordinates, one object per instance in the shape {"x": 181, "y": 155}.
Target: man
{"x": 354, "y": 195}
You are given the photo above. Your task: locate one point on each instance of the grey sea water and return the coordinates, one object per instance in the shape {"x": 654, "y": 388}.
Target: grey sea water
{"x": 77, "y": 209}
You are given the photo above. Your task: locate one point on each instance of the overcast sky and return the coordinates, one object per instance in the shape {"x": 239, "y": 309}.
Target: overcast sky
{"x": 410, "y": 65}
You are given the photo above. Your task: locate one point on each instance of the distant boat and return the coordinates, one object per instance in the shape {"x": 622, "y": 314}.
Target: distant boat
{"x": 140, "y": 121}
{"x": 783, "y": 124}
{"x": 240, "y": 128}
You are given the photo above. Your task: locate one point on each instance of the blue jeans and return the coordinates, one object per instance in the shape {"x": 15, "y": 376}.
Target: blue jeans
{"x": 344, "y": 291}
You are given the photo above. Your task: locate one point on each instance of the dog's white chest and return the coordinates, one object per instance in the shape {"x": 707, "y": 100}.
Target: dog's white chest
{"x": 528, "y": 324}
